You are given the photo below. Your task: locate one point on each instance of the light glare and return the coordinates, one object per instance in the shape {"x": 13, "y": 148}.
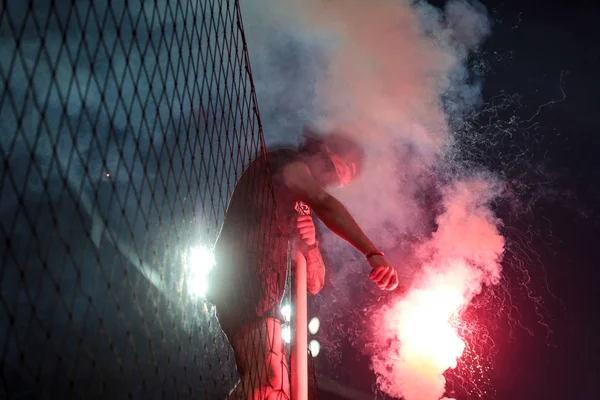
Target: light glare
{"x": 286, "y": 311}
{"x": 425, "y": 329}
{"x": 313, "y": 325}
{"x": 286, "y": 334}
{"x": 200, "y": 262}
{"x": 315, "y": 348}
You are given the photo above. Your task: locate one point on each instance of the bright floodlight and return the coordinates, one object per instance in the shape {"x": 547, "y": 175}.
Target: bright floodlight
{"x": 286, "y": 333}
{"x": 286, "y": 311}
{"x": 199, "y": 262}
{"x": 313, "y": 325}
{"x": 315, "y": 348}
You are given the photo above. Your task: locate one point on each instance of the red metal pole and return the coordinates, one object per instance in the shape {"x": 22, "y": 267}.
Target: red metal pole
{"x": 299, "y": 356}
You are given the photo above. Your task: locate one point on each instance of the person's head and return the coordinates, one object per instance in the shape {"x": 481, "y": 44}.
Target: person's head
{"x": 333, "y": 159}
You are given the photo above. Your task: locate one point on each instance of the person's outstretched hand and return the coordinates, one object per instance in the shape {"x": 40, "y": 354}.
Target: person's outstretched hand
{"x": 382, "y": 273}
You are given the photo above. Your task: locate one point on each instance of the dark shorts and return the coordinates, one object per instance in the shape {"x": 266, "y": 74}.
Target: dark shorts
{"x": 245, "y": 294}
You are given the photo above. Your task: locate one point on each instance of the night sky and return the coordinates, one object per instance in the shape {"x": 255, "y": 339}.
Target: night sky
{"x": 548, "y": 40}
{"x": 544, "y": 57}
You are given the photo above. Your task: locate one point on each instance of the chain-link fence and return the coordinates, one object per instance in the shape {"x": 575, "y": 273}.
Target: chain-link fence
{"x": 124, "y": 127}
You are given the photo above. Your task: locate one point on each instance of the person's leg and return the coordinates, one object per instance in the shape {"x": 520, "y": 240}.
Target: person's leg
{"x": 261, "y": 362}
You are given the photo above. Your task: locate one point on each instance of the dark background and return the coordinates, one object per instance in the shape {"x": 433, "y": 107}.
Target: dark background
{"x": 541, "y": 60}
{"x": 549, "y": 40}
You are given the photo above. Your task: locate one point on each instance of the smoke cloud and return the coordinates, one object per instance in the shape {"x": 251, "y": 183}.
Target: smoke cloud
{"x": 392, "y": 75}
{"x": 461, "y": 257}
{"x": 384, "y": 73}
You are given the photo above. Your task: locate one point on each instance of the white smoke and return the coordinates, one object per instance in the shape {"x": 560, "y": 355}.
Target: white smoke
{"x": 391, "y": 75}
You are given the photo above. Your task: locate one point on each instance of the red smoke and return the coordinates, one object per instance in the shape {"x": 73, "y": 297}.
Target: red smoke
{"x": 463, "y": 255}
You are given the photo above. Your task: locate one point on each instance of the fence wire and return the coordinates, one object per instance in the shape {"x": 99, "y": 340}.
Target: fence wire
{"x": 124, "y": 127}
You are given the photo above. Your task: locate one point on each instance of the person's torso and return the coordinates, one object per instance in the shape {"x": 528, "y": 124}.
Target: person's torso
{"x": 261, "y": 215}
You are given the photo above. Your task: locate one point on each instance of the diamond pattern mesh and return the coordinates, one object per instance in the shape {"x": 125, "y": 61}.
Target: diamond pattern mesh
{"x": 124, "y": 128}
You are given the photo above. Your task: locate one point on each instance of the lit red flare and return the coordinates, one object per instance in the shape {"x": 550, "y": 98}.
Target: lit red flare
{"x": 424, "y": 324}
{"x": 422, "y": 332}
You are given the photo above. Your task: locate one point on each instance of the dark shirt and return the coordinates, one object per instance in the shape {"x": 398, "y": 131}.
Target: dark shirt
{"x": 252, "y": 249}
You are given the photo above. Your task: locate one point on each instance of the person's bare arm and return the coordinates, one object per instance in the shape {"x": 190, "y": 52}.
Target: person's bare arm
{"x": 315, "y": 270}
{"x": 315, "y": 267}
{"x": 335, "y": 216}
